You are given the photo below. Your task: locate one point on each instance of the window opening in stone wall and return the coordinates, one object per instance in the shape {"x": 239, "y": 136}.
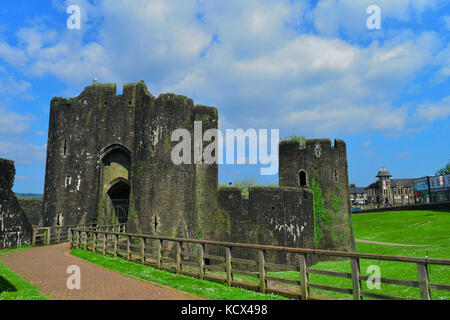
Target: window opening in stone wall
{"x": 302, "y": 178}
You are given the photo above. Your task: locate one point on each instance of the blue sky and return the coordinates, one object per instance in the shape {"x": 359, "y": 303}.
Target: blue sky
{"x": 309, "y": 68}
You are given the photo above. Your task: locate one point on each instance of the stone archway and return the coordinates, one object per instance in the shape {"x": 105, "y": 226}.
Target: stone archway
{"x": 119, "y": 198}
{"x": 115, "y": 184}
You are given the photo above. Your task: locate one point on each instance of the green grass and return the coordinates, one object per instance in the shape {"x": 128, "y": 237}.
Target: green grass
{"x": 402, "y": 227}
{"x": 13, "y": 287}
{"x": 203, "y": 288}
{"x": 406, "y": 227}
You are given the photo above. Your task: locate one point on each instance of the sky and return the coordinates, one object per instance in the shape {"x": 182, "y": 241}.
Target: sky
{"x": 307, "y": 68}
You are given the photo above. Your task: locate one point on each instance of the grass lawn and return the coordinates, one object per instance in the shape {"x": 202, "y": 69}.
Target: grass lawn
{"x": 402, "y": 227}
{"x": 13, "y": 287}
{"x": 203, "y": 288}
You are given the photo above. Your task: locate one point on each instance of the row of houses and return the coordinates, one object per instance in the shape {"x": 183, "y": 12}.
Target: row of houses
{"x": 397, "y": 192}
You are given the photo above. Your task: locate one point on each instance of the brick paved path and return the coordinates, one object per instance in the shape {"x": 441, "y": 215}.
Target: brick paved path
{"x": 46, "y": 268}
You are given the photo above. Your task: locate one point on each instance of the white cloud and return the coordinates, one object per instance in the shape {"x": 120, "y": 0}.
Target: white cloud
{"x": 10, "y": 87}
{"x": 333, "y": 16}
{"x": 430, "y": 112}
{"x": 246, "y": 58}
{"x": 366, "y": 144}
{"x": 23, "y": 152}
{"x": 12, "y": 56}
{"x": 447, "y": 22}
{"x": 13, "y": 123}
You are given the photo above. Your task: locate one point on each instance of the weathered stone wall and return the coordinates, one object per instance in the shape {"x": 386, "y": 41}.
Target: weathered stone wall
{"x": 33, "y": 208}
{"x": 269, "y": 216}
{"x": 15, "y": 229}
{"x": 326, "y": 170}
{"x": 100, "y": 138}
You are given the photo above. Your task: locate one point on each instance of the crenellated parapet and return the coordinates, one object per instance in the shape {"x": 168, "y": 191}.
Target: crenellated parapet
{"x": 279, "y": 216}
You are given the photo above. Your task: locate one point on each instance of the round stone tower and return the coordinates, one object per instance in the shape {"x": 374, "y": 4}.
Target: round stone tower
{"x": 322, "y": 168}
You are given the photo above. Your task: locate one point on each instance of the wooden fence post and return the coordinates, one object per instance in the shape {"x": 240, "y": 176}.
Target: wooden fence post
{"x": 94, "y": 246}
{"x": 70, "y": 234}
{"x": 70, "y": 239}
{"x": 85, "y": 240}
{"x": 33, "y": 240}
{"x": 58, "y": 235}
{"x": 143, "y": 250}
{"x": 48, "y": 235}
{"x": 128, "y": 248}
{"x": 304, "y": 290}
{"x": 78, "y": 240}
{"x": 159, "y": 245}
{"x": 178, "y": 257}
{"x": 201, "y": 262}
{"x": 422, "y": 272}
{"x": 228, "y": 268}
{"x": 116, "y": 241}
{"x": 262, "y": 271}
{"x": 356, "y": 281}
{"x": 105, "y": 239}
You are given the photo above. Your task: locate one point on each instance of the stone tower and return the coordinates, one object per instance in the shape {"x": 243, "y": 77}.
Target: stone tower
{"x": 321, "y": 168}
{"x": 384, "y": 185}
{"x": 109, "y": 161}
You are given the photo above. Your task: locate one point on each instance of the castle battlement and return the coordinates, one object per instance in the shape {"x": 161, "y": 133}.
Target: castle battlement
{"x": 293, "y": 148}
{"x": 135, "y": 95}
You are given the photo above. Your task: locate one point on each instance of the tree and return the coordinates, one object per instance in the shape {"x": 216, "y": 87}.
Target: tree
{"x": 444, "y": 170}
{"x": 352, "y": 185}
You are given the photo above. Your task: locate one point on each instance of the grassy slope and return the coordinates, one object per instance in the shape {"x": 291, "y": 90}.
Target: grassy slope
{"x": 203, "y": 288}
{"x": 13, "y": 287}
{"x": 405, "y": 227}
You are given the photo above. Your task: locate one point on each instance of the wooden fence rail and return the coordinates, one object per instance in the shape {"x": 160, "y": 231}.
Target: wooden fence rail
{"x": 167, "y": 253}
{"x": 59, "y": 234}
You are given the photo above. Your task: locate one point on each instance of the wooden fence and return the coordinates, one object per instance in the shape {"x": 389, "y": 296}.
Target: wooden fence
{"x": 53, "y": 235}
{"x": 167, "y": 253}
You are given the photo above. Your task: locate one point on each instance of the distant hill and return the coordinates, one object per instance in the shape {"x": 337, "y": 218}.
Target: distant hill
{"x": 29, "y": 195}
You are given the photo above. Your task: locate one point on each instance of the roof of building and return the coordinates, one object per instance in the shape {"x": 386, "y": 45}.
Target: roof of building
{"x": 402, "y": 182}
{"x": 357, "y": 190}
{"x": 383, "y": 173}
{"x": 372, "y": 186}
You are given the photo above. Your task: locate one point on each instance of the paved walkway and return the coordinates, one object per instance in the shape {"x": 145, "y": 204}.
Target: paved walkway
{"x": 46, "y": 268}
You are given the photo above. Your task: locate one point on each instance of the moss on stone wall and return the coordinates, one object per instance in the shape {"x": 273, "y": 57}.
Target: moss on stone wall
{"x": 322, "y": 217}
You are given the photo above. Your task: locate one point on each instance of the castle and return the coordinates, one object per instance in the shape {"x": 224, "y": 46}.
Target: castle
{"x": 109, "y": 161}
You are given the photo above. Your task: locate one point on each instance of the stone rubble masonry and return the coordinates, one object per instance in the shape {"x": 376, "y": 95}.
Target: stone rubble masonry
{"x": 101, "y": 143}
{"x": 33, "y": 208}
{"x": 100, "y": 138}
{"x": 15, "y": 229}
{"x": 326, "y": 164}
